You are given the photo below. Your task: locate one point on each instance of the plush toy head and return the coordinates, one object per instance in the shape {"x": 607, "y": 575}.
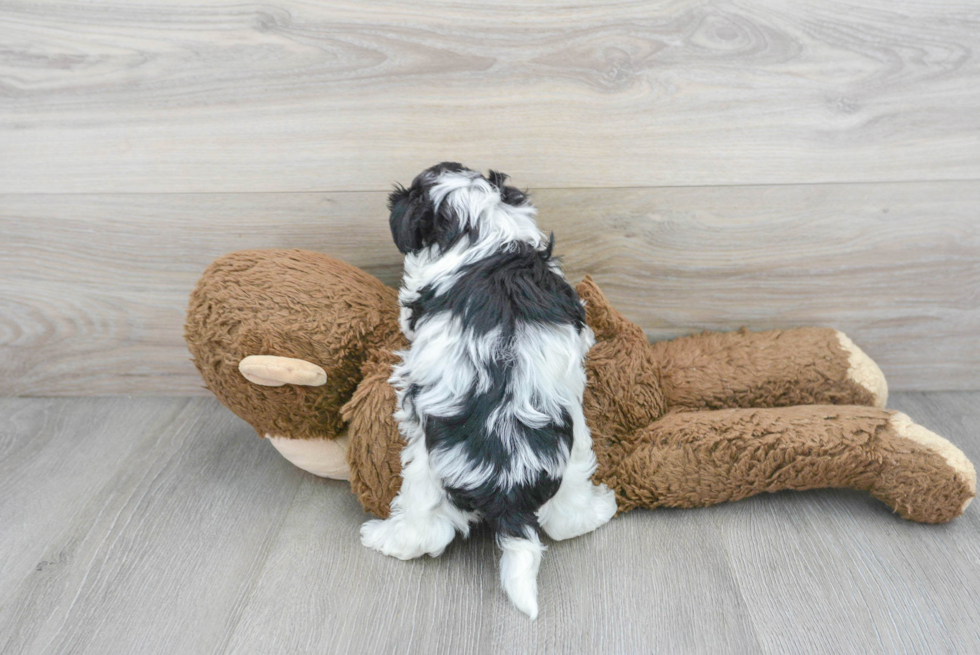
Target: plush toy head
{"x": 290, "y": 303}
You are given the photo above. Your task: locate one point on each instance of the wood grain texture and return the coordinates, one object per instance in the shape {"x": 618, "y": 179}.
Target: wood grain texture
{"x": 678, "y": 598}
{"x": 54, "y": 456}
{"x": 296, "y": 96}
{"x": 196, "y": 537}
{"x": 94, "y": 287}
{"x": 157, "y": 557}
{"x": 808, "y": 561}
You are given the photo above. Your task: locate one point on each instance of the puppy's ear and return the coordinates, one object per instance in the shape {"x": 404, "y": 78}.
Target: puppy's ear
{"x": 410, "y": 220}
{"x": 448, "y": 229}
{"x": 510, "y": 195}
{"x": 497, "y": 178}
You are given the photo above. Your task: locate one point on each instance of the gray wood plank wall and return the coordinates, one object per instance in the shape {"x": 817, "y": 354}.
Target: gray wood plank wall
{"x": 712, "y": 165}
{"x": 335, "y": 96}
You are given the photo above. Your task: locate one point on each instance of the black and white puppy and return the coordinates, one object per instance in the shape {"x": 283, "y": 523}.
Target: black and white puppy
{"x": 490, "y": 393}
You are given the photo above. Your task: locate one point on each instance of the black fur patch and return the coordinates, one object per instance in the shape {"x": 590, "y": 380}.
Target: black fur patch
{"x": 498, "y": 292}
{"x": 510, "y": 195}
{"x": 414, "y": 224}
{"x": 506, "y": 508}
{"x": 516, "y": 284}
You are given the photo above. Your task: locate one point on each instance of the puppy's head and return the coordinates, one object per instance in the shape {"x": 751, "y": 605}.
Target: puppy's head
{"x": 448, "y": 202}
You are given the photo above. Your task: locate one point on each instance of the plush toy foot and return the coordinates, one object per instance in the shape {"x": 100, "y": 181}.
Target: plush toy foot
{"x": 862, "y": 370}
{"x": 326, "y": 458}
{"x": 403, "y": 538}
{"x": 925, "y": 478}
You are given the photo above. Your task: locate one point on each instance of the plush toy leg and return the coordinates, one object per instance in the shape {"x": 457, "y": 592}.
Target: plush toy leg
{"x": 697, "y": 459}
{"x": 376, "y": 445}
{"x": 778, "y": 368}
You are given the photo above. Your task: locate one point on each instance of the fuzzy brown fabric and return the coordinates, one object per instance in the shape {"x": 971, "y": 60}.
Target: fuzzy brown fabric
{"x": 776, "y": 368}
{"x": 290, "y": 303}
{"x": 683, "y": 423}
{"x": 693, "y": 459}
{"x": 375, "y": 446}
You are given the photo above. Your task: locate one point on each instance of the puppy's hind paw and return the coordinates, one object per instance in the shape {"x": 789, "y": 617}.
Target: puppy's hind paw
{"x": 572, "y": 515}
{"x": 389, "y": 537}
{"x": 396, "y": 537}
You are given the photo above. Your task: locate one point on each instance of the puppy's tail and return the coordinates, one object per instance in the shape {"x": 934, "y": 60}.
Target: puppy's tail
{"x": 520, "y": 563}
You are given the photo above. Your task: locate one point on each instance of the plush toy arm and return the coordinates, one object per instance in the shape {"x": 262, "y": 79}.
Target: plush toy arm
{"x": 375, "y": 446}
{"x": 694, "y": 459}
{"x": 778, "y": 368}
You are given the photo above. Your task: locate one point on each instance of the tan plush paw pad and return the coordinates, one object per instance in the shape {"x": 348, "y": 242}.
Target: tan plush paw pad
{"x": 907, "y": 429}
{"x": 863, "y": 371}
{"x": 326, "y": 458}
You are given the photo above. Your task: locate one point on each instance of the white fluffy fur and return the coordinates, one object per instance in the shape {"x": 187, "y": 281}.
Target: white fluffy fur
{"x": 519, "y": 566}
{"x": 422, "y": 520}
{"x": 579, "y": 506}
{"x": 446, "y": 361}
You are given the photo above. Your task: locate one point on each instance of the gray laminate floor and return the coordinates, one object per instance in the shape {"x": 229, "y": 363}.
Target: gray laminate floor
{"x": 163, "y": 525}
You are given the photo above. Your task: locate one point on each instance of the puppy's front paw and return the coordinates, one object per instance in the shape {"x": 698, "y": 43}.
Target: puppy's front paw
{"x": 399, "y": 538}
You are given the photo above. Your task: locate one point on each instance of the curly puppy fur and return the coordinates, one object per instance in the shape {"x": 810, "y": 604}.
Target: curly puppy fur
{"x": 490, "y": 391}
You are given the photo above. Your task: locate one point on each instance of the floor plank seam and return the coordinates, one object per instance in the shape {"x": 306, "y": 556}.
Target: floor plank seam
{"x": 738, "y": 585}
{"x": 247, "y": 598}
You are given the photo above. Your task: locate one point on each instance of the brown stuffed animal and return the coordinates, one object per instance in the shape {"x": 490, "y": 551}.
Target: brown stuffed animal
{"x": 301, "y": 346}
